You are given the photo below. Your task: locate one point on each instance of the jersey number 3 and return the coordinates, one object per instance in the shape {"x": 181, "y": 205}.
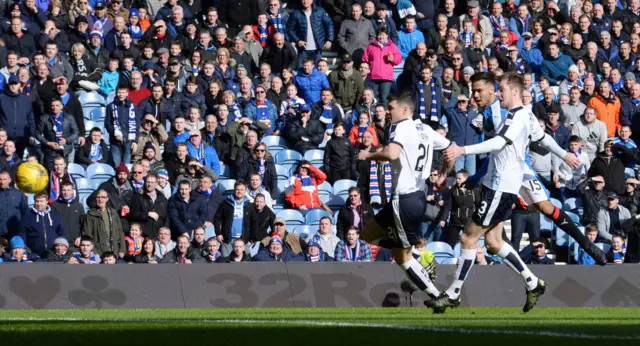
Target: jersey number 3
{"x": 422, "y": 159}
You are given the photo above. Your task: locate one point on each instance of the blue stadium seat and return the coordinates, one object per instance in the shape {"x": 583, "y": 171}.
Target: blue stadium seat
{"x": 440, "y": 248}
{"x": 291, "y": 217}
{"x": 574, "y": 248}
{"x": 604, "y": 247}
{"x": 100, "y": 172}
{"x": 31, "y": 200}
{"x": 337, "y": 201}
{"x": 225, "y": 186}
{"x": 110, "y": 98}
{"x": 325, "y": 190}
{"x": 290, "y": 157}
{"x": 226, "y": 172}
{"x": 546, "y": 226}
{"x": 629, "y": 173}
{"x": 313, "y": 216}
{"x": 254, "y": 249}
{"x": 283, "y": 172}
{"x": 275, "y": 144}
{"x": 76, "y": 170}
{"x": 572, "y": 204}
{"x": 315, "y": 156}
{"x": 556, "y": 203}
{"x": 562, "y": 238}
{"x": 98, "y": 114}
{"x": 574, "y": 217}
{"x": 341, "y": 187}
{"x": 86, "y": 112}
{"x": 305, "y": 230}
{"x": 456, "y": 250}
{"x": 83, "y": 201}
{"x": 446, "y": 260}
{"x": 92, "y": 99}
{"x": 84, "y": 186}
{"x": 88, "y": 125}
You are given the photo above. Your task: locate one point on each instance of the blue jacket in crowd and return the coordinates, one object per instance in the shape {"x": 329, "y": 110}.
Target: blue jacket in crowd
{"x": 532, "y": 56}
{"x": 561, "y": 135}
{"x": 162, "y": 111}
{"x": 39, "y": 231}
{"x": 407, "y": 41}
{"x": 251, "y": 112}
{"x": 558, "y": 68}
{"x": 211, "y": 159}
{"x": 13, "y": 206}
{"x": 461, "y": 124}
{"x": 321, "y": 25}
{"x": 123, "y": 109}
{"x": 16, "y": 117}
{"x": 310, "y": 85}
{"x": 285, "y": 256}
{"x": 186, "y": 216}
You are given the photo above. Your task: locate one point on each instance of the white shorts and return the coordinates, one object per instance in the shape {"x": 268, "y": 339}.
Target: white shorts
{"x": 532, "y": 191}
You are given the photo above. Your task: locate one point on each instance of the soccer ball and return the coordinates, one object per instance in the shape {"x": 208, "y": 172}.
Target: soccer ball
{"x": 31, "y": 177}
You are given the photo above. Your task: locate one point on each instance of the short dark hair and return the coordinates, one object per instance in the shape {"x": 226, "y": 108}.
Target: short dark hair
{"x": 108, "y": 254}
{"x": 463, "y": 171}
{"x": 486, "y": 77}
{"x": 513, "y": 80}
{"x": 239, "y": 182}
{"x": 405, "y": 98}
{"x": 86, "y": 238}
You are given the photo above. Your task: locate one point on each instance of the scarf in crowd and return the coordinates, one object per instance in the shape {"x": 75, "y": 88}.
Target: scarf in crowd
{"x": 95, "y": 154}
{"x": 521, "y": 69}
{"x": 434, "y": 102}
{"x": 235, "y": 111}
{"x": 92, "y": 257}
{"x": 499, "y": 23}
{"x": 98, "y": 23}
{"x": 253, "y": 193}
{"x": 374, "y": 184}
{"x": 137, "y": 245}
{"x": 467, "y": 37}
{"x": 277, "y": 21}
{"x": 618, "y": 257}
{"x": 55, "y": 185}
{"x": 135, "y": 31}
{"x": 307, "y": 183}
{"x": 57, "y": 123}
{"x": 525, "y": 23}
{"x": 262, "y": 114}
{"x": 201, "y": 153}
{"x": 380, "y": 44}
{"x": 24, "y": 257}
{"x": 262, "y": 30}
{"x": 80, "y": 66}
{"x": 349, "y": 254}
{"x": 314, "y": 258}
{"x": 137, "y": 186}
{"x": 12, "y": 160}
{"x": 132, "y": 122}
{"x": 617, "y": 86}
{"x": 361, "y": 130}
{"x": 260, "y": 167}
{"x": 327, "y": 116}
{"x": 66, "y": 200}
{"x": 43, "y": 214}
{"x": 578, "y": 83}
{"x": 564, "y": 39}
{"x": 207, "y": 192}
{"x": 27, "y": 88}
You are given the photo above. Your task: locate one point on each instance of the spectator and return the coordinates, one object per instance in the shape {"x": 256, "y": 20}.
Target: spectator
{"x": 542, "y": 107}
{"x": 70, "y": 106}
{"x": 483, "y": 24}
{"x": 40, "y": 226}
{"x": 312, "y": 30}
{"x": 110, "y": 258}
{"x": 192, "y": 97}
{"x": 232, "y": 219}
{"x": 19, "y": 41}
{"x": 592, "y": 131}
{"x": 346, "y": 83}
{"x": 57, "y": 63}
{"x": 380, "y": 122}
{"x": 366, "y": 104}
{"x": 182, "y": 253}
{"x": 244, "y": 137}
{"x": 364, "y": 125}
{"x": 435, "y": 218}
{"x": 611, "y": 218}
{"x": 314, "y": 253}
{"x": 60, "y": 251}
{"x": 164, "y": 244}
{"x": 610, "y": 167}
{"x": 327, "y": 112}
{"x": 71, "y": 211}
{"x": 630, "y": 199}
{"x": 122, "y": 123}
{"x": 381, "y": 19}
{"x": 408, "y": 36}
{"x": 209, "y": 252}
{"x": 464, "y": 129}
{"x": 569, "y": 177}
{"x": 262, "y": 110}
{"x": 137, "y": 93}
{"x": 303, "y": 132}
{"x": 305, "y": 184}
{"x": 103, "y": 225}
{"x": 383, "y": 55}
{"x": 573, "y": 110}
{"x": 618, "y": 250}
{"x": 354, "y": 213}
{"x": 186, "y": 210}
{"x": 216, "y": 138}
{"x": 310, "y": 81}
{"x": 325, "y": 237}
{"x": 86, "y": 254}
{"x": 591, "y": 232}
{"x": 275, "y": 251}
{"x": 535, "y": 253}
{"x": 261, "y": 219}
{"x": 372, "y": 174}
{"x": 556, "y": 65}
{"x": 237, "y": 255}
{"x": 13, "y": 207}
{"x": 134, "y": 241}
{"x": 355, "y": 33}
{"x": 624, "y": 139}
{"x": 555, "y": 128}
{"x": 339, "y": 160}
{"x": 9, "y": 161}
{"x": 481, "y": 257}
{"x": 593, "y": 197}
{"x": 204, "y": 154}
{"x": 152, "y": 135}
{"x": 118, "y": 188}
{"x": 625, "y": 92}
{"x": 19, "y": 252}
{"x": 149, "y": 208}
{"x": 280, "y": 54}
{"x": 290, "y": 241}
{"x": 460, "y": 206}
{"x": 57, "y": 133}
{"x": 352, "y": 248}
{"x": 108, "y": 83}
{"x": 16, "y": 115}
{"x": 256, "y": 187}
{"x": 607, "y": 107}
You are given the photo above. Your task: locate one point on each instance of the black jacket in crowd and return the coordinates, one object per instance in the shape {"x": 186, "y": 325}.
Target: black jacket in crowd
{"x": 72, "y": 215}
{"x": 294, "y": 132}
{"x": 248, "y": 166}
{"x": 592, "y": 201}
{"x": 140, "y": 207}
{"x": 340, "y": 155}
{"x": 345, "y": 218}
{"x": 224, "y": 221}
{"x": 260, "y": 223}
{"x": 461, "y": 203}
{"x": 82, "y": 155}
{"x": 222, "y": 143}
{"x": 213, "y": 203}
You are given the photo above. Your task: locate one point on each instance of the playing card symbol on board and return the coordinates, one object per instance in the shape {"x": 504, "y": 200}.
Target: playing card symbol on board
{"x": 96, "y": 291}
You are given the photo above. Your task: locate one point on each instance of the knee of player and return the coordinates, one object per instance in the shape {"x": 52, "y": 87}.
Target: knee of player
{"x": 545, "y": 207}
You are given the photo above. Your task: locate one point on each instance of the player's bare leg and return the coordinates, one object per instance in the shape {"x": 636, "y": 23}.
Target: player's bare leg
{"x": 564, "y": 222}
{"x": 407, "y": 259}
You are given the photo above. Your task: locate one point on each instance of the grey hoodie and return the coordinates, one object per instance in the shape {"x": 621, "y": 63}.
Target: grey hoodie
{"x": 594, "y": 136}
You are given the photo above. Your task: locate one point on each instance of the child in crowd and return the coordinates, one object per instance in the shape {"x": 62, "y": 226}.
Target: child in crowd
{"x": 134, "y": 239}
{"x": 571, "y": 178}
{"x": 592, "y": 233}
{"x": 618, "y": 250}
{"x": 109, "y": 81}
{"x": 468, "y": 29}
{"x": 364, "y": 124}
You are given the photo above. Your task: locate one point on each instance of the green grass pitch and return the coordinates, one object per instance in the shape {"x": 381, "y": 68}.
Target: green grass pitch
{"x": 306, "y": 327}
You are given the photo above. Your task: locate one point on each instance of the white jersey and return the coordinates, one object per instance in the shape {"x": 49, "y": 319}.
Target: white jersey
{"x": 414, "y": 164}
{"x": 507, "y": 166}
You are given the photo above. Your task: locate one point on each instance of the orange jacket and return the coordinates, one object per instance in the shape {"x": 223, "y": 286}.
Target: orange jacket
{"x": 300, "y": 197}
{"x": 607, "y": 112}
{"x": 144, "y": 24}
{"x": 354, "y": 136}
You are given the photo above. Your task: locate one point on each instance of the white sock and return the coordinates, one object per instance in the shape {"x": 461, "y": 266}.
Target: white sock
{"x": 419, "y": 276}
{"x": 513, "y": 260}
{"x": 465, "y": 262}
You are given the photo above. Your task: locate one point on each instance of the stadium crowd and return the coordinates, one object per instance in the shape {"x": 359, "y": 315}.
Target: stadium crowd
{"x": 223, "y": 131}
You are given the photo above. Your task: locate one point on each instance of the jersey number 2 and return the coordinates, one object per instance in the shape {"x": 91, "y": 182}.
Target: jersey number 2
{"x": 422, "y": 159}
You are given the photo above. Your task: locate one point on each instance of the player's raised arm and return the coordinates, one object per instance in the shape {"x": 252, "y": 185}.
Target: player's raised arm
{"x": 550, "y": 144}
{"x": 494, "y": 144}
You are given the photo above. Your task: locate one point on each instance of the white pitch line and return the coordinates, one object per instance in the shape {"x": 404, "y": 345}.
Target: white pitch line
{"x": 336, "y": 324}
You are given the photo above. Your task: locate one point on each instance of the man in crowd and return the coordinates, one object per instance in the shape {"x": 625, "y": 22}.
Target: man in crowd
{"x": 149, "y": 209}
{"x": 325, "y": 237}
{"x": 186, "y": 210}
{"x": 103, "y": 225}
{"x": 232, "y": 218}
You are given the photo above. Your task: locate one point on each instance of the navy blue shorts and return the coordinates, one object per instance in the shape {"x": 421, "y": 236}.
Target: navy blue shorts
{"x": 402, "y": 218}
{"x": 495, "y": 207}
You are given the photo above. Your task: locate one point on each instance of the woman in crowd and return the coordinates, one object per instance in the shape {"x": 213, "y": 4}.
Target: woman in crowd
{"x": 225, "y": 66}
{"x": 382, "y": 55}
{"x": 147, "y": 255}
{"x": 304, "y": 184}
{"x": 262, "y": 163}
